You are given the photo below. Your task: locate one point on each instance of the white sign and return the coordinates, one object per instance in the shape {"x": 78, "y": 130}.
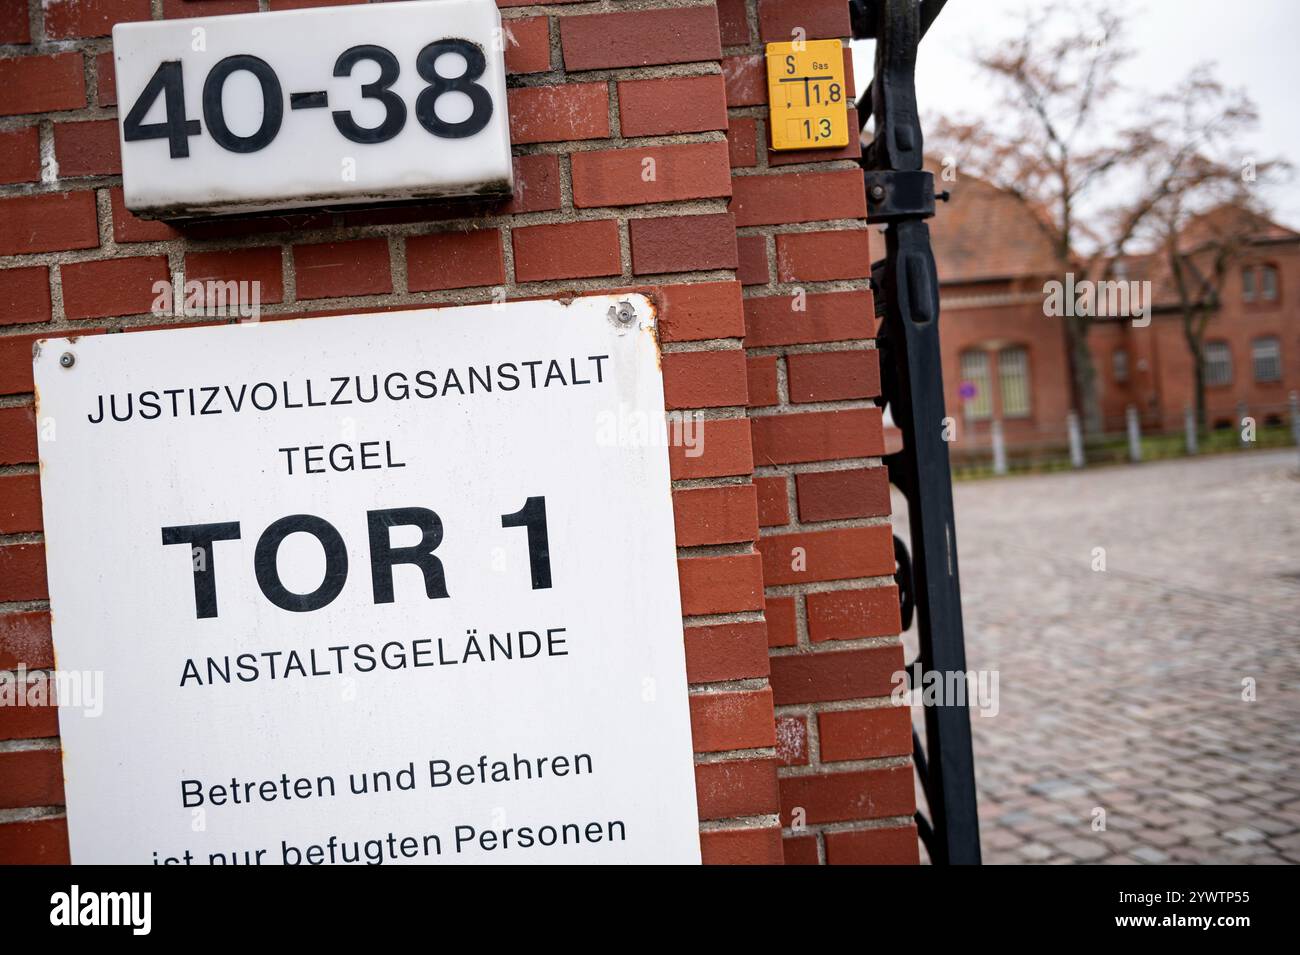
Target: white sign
{"x": 313, "y": 107}
{"x": 390, "y": 588}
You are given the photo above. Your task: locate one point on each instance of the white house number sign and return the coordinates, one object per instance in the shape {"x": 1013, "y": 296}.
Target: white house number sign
{"x": 312, "y": 107}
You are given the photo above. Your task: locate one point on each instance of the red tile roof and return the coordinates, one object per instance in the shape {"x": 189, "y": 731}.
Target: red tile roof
{"x": 982, "y": 233}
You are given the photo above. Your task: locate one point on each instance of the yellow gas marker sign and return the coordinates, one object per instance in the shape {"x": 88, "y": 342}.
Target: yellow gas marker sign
{"x": 806, "y": 95}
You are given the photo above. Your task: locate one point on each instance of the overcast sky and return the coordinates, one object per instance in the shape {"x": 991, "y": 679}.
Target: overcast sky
{"x": 1254, "y": 43}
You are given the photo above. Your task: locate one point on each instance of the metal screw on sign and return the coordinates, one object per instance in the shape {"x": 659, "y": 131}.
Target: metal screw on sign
{"x": 877, "y": 193}
{"x": 67, "y": 359}
{"x": 623, "y": 313}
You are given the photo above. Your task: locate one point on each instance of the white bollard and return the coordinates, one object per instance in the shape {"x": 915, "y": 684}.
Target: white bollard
{"x": 1076, "y": 440}
{"x": 1189, "y": 428}
{"x": 1295, "y": 417}
{"x": 1134, "y": 434}
{"x": 999, "y": 448}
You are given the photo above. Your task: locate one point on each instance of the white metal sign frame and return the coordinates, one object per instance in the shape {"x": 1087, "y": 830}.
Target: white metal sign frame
{"x": 393, "y": 588}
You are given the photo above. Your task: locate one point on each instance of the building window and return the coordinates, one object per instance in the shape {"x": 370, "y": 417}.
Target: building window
{"x": 1268, "y": 284}
{"x": 1259, "y": 283}
{"x": 1266, "y": 356}
{"x": 975, "y": 373}
{"x": 1013, "y": 381}
{"x": 1119, "y": 365}
{"x": 1218, "y": 363}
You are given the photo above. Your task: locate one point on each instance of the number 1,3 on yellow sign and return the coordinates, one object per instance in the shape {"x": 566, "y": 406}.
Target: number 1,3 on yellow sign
{"x": 811, "y": 130}
{"x": 808, "y": 95}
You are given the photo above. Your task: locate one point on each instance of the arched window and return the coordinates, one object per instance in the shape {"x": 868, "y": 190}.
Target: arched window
{"x": 975, "y": 373}
{"x": 1266, "y": 357}
{"x": 1218, "y": 363}
{"x": 1013, "y": 381}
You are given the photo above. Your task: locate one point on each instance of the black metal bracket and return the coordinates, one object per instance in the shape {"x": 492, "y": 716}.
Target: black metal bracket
{"x": 901, "y": 195}
{"x": 896, "y": 196}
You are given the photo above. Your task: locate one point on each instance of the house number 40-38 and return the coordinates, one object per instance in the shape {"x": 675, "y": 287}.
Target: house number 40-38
{"x": 168, "y": 82}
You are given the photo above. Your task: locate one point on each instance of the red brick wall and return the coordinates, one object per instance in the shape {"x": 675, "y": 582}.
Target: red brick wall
{"x": 792, "y": 441}
{"x": 832, "y": 608}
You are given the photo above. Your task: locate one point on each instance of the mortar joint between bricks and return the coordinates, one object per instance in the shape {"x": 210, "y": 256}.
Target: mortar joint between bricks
{"x": 43, "y": 673}
{"x": 734, "y": 756}
{"x": 738, "y": 823}
{"x": 702, "y": 347}
{"x": 21, "y": 537}
{"x": 702, "y": 344}
{"x": 570, "y": 146}
{"x": 712, "y": 205}
{"x": 814, "y": 348}
{"x": 826, "y": 587}
{"x": 829, "y": 646}
{"x": 740, "y": 548}
{"x": 791, "y": 498}
{"x": 62, "y": 117}
{"x": 802, "y": 640}
{"x": 722, "y": 619}
{"x": 746, "y": 685}
{"x": 730, "y": 413}
{"x": 847, "y": 404}
{"x": 619, "y": 6}
{"x": 36, "y": 23}
{"x": 845, "y": 706}
{"x": 782, "y": 383}
{"x": 833, "y": 524}
{"x": 814, "y": 731}
{"x": 30, "y": 814}
{"x": 289, "y": 275}
{"x": 826, "y": 225}
{"x": 20, "y": 400}
{"x": 29, "y": 745}
{"x": 861, "y": 825}
{"x": 7, "y": 470}
{"x": 397, "y": 264}
{"x": 812, "y": 165}
{"x": 666, "y": 278}
{"x": 823, "y": 768}
{"x": 830, "y": 586}
{"x": 807, "y": 467}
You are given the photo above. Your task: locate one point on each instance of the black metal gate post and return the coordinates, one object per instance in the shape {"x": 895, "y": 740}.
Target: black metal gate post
{"x": 901, "y": 195}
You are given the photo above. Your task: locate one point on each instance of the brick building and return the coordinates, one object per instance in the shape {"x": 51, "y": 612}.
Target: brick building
{"x": 798, "y": 756}
{"x": 993, "y": 262}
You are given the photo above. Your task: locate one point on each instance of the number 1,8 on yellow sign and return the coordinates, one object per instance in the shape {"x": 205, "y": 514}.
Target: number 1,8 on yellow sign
{"x": 807, "y": 96}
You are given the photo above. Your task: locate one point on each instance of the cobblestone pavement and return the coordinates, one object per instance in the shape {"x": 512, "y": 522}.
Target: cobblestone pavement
{"x": 1121, "y": 691}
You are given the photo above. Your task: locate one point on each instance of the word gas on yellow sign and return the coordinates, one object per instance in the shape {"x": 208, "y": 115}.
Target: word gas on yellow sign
{"x": 807, "y": 95}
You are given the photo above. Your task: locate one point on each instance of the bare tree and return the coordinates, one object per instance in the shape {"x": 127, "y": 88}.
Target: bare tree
{"x": 1064, "y": 141}
{"x": 1197, "y": 275}
{"x": 1210, "y": 215}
